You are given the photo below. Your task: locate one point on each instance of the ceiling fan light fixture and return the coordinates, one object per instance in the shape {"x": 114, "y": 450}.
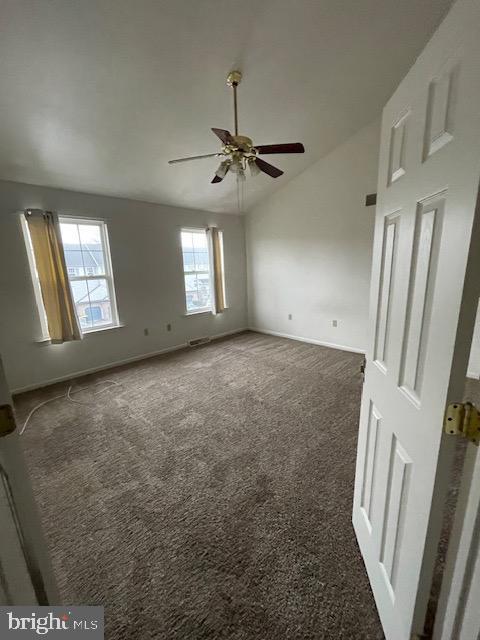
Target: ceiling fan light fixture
{"x": 254, "y": 170}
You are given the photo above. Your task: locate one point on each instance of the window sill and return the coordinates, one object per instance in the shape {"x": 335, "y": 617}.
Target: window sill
{"x": 47, "y": 341}
{"x": 114, "y": 326}
{"x": 197, "y": 313}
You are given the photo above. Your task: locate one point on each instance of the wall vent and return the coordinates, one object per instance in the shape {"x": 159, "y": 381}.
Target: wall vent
{"x": 371, "y": 199}
{"x": 198, "y": 341}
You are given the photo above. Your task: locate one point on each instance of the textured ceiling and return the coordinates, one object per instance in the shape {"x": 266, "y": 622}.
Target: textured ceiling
{"x": 97, "y": 95}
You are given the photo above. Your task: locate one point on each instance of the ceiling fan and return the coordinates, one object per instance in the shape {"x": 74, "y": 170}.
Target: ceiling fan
{"x": 238, "y": 152}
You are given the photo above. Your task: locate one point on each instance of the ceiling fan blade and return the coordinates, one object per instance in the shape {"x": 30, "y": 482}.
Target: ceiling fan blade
{"x": 224, "y": 135}
{"x": 289, "y": 147}
{"x": 267, "y": 168}
{"x": 221, "y": 172}
{"x": 208, "y": 155}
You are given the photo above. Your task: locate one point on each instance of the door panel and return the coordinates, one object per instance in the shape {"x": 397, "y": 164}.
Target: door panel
{"x": 399, "y": 467}
{"x": 420, "y": 315}
{"x": 387, "y": 279}
{"x": 440, "y": 120}
{"x": 426, "y": 246}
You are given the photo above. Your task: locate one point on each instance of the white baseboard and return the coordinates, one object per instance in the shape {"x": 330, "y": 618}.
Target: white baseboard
{"x": 116, "y": 363}
{"x": 474, "y": 375}
{"x": 308, "y": 340}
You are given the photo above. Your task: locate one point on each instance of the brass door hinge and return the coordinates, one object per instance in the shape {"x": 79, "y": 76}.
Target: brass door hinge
{"x": 363, "y": 367}
{"x": 7, "y": 420}
{"x": 463, "y": 419}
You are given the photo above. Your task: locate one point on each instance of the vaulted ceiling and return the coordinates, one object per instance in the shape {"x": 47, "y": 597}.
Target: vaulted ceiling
{"x": 97, "y": 95}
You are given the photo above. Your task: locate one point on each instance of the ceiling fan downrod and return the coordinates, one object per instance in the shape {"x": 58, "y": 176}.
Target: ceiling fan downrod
{"x": 233, "y": 80}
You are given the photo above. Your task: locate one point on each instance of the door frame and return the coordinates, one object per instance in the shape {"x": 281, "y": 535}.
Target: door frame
{"x": 455, "y": 607}
{"x": 457, "y": 612}
{"x": 26, "y": 573}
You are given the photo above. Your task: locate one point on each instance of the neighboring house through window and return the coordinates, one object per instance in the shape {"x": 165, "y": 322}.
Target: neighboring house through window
{"x": 89, "y": 270}
{"x": 87, "y": 255}
{"x": 196, "y": 270}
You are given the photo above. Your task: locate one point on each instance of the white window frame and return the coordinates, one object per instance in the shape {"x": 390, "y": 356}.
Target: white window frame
{"x": 208, "y": 309}
{"x": 222, "y": 258}
{"x": 107, "y": 276}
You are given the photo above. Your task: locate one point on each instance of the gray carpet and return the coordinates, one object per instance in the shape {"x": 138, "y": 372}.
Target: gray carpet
{"x": 208, "y": 494}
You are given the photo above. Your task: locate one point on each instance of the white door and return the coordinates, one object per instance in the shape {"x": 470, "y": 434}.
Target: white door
{"x": 458, "y": 615}
{"x": 425, "y": 287}
{"x": 26, "y": 576}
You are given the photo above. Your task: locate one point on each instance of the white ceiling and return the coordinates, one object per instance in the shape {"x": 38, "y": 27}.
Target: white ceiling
{"x": 97, "y": 95}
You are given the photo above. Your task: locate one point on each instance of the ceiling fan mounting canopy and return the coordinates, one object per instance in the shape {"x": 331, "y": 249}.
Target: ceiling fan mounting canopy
{"x": 238, "y": 152}
{"x": 234, "y": 78}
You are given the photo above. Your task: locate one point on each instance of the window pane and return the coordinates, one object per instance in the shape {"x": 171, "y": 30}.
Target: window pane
{"x": 187, "y": 241}
{"x": 82, "y": 244}
{"x": 93, "y": 262}
{"x": 100, "y": 314}
{"x": 203, "y": 288}
{"x": 69, "y": 233}
{"x": 197, "y": 291}
{"x": 200, "y": 240}
{"x": 92, "y": 301}
{"x": 82, "y": 302}
{"x": 190, "y": 283}
{"x": 74, "y": 260}
{"x": 80, "y": 291}
{"x": 98, "y": 290}
{"x": 72, "y": 249}
{"x": 92, "y": 249}
{"x": 196, "y": 259}
{"x": 188, "y": 261}
{"x": 100, "y": 311}
{"x": 202, "y": 262}
{"x": 90, "y": 235}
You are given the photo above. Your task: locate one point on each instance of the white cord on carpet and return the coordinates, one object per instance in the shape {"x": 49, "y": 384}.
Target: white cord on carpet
{"x": 68, "y": 396}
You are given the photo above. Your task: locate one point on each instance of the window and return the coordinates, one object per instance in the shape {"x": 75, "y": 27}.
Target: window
{"x": 196, "y": 269}
{"x": 87, "y": 255}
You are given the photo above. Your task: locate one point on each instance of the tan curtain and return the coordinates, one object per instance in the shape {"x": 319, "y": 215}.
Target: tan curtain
{"x": 57, "y": 298}
{"x": 217, "y": 271}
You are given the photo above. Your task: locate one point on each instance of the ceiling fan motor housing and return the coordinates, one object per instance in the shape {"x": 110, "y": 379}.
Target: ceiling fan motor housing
{"x": 242, "y": 143}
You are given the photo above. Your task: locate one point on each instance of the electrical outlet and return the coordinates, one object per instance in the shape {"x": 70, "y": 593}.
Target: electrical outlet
{"x": 169, "y": 327}
{"x": 289, "y": 316}
{"x": 334, "y": 323}
{"x": 146, "y": 332}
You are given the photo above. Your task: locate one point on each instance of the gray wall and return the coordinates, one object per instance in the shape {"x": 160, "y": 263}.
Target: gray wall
{"x": 309, "y": 248}
{"x": 147, "y": 266}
